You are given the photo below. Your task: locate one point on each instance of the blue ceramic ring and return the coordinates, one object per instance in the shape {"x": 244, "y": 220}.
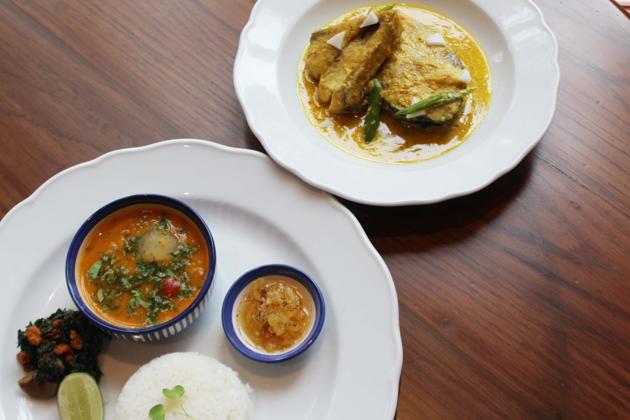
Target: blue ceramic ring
{"x": 153, "y": 332}
{"x": 227, "y": 312}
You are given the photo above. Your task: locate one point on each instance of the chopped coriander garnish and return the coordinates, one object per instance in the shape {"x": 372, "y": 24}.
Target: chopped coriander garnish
{"x": 131, "y": 244}
{"x": 94, "y": 269}
{"x": 164, "y": 223}
{"x": 158, "y": 412}
{"x": 176, "y": 392}
{"x": 186, "y": 290}
{"x": 123, "y": 271}
{"x": 137, "y": 300}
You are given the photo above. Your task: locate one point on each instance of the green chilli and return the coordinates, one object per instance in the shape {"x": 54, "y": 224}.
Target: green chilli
{"x": 434, "y": 101}
{"x": 373, "y": 115}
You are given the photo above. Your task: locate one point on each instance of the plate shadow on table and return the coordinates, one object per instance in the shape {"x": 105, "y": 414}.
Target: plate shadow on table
{"x": 251, "y": 141}
{"x": 460, "y": 217}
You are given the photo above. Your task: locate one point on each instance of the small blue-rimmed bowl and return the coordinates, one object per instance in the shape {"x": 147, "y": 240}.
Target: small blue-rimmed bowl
{"x": 153, "y": 332}
{"x": 233, "y": 296}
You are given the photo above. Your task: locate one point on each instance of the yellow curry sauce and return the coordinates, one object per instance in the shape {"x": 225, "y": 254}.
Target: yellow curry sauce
{"x": 396, "y": 142}
{"x": 128, "y": 291}
{"x": 275, "y": 313}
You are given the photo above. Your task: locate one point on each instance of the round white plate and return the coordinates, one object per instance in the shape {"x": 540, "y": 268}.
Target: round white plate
{"x": 258, "y": 214}
{"x": 522, "y": 52}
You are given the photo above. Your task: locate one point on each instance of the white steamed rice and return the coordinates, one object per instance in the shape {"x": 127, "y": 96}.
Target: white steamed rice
{"x": 212, "y": 390}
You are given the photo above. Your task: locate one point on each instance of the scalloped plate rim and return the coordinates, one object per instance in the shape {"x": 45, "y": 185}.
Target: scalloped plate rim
{"x": 396, "y": 367}
{"x": 348, "y": 195}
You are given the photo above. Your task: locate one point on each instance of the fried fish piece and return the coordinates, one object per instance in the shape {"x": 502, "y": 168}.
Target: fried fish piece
{"x": 343, "y": 86}
{"x": 320, "y": 54}
{"x": 416, "y": 71}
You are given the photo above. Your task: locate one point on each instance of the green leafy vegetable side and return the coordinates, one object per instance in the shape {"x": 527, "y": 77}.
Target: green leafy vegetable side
{"x": 58, "y": 329}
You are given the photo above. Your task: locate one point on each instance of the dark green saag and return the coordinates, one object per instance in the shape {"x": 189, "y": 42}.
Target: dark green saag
{"x": 60, "y": 344}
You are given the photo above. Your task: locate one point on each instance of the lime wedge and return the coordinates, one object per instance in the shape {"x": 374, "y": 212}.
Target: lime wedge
{"x": 79, "y": 398}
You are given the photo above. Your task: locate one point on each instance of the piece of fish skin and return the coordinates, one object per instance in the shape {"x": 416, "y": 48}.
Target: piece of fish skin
{"x": 343, "y": 86}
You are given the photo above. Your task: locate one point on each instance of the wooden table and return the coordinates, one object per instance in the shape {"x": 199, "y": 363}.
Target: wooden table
{"x": 514, "y": 302}
{"x": 623, "y": 5}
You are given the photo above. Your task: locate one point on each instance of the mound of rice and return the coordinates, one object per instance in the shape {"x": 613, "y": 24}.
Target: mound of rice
{"x": 212, "y": 390}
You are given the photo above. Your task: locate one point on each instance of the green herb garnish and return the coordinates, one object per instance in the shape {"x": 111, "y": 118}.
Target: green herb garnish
{"x": 434, "y": 101}
{"x": 158, "y": 412}
{"x": 373, "y": 115}
{"x": 185, "y": 290}
{"x": 176, "y": 392}
{"x": 158, "y": 305}
{"x": 131, "y": 244}
{"x": 94, "y": 269}
{"x": 137, "y": 300}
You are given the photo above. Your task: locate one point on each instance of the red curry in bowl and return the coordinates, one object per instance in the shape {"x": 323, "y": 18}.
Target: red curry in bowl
{"x": 142, "y": 265}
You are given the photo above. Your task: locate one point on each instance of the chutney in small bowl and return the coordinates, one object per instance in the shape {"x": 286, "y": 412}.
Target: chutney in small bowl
{"x": 273, "y": 313}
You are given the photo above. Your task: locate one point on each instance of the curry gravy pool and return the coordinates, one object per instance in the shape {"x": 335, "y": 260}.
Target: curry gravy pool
{"x": 396, "y": 141}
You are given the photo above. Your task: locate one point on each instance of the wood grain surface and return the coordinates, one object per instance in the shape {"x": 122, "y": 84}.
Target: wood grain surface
{"x": 514, "y": 302}
{"x": 623, "y": 5}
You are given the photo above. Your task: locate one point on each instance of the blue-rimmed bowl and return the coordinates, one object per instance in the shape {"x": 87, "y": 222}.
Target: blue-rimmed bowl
{"x": 153, "y": 332}
{"x": 228, "y": 312}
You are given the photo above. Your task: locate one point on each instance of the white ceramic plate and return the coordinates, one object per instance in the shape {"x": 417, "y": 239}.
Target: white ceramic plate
{"x": 522, "y": 52}
{"x": 258, "y": 214}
